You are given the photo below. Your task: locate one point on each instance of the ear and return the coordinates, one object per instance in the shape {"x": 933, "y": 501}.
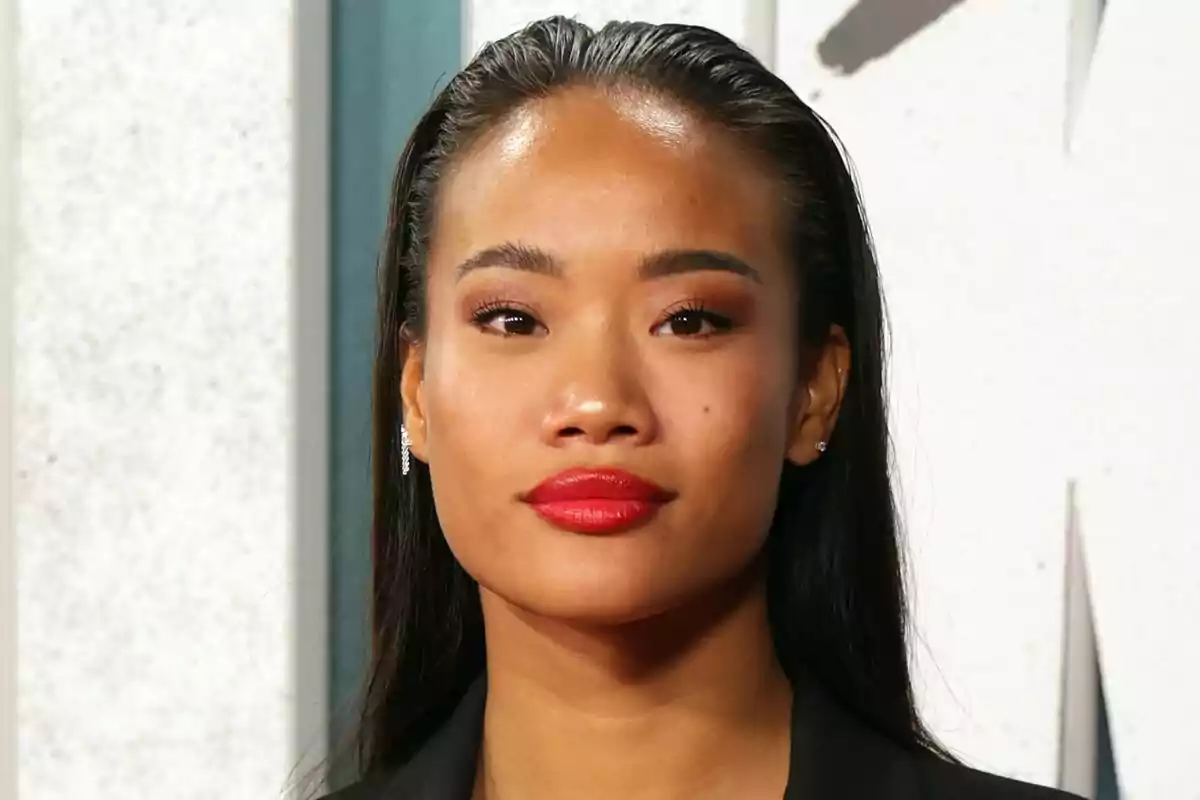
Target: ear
{"x": 412, "y": 400}
{"x": 819, "y": 400}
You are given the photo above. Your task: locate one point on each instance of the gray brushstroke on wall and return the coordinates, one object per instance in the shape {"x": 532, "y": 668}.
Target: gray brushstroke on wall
{"x": 872, "y": 29}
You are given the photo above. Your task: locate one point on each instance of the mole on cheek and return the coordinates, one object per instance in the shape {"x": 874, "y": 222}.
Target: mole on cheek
{"x": 706, "y": 409}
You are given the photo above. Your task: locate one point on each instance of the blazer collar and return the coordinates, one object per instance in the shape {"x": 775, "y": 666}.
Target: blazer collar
{"x": 832, "y": 756}
{"x": 836, "y": 756}
{"x": 444, "y": 768}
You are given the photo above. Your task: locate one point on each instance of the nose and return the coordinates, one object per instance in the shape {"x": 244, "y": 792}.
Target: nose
{"x": 601, "y": 397}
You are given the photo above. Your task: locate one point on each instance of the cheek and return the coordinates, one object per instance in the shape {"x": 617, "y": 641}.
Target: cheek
{"x": 728, "y": 426}
{"x": 470, "y": 406}
{"x": 731, "y": 411}
{"x": 470, "y": 412}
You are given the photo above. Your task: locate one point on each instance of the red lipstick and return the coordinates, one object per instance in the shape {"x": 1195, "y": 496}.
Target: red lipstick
{"x": 596, "y": 501}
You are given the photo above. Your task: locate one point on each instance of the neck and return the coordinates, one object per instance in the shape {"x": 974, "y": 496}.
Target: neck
{"x": 691, "y": 703}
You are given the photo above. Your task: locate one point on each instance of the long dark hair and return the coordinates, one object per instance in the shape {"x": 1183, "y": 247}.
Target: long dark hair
{"x": 834, "y": 578}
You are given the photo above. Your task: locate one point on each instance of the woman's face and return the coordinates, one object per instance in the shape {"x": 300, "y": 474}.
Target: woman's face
{"x": 609, "y": 302}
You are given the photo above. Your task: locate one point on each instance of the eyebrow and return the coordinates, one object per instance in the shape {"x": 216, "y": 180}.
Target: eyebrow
{"x": 678, "y": 262}
{"x": 511, "y": 255}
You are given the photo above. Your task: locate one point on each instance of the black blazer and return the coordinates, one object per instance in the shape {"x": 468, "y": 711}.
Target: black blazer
{"x": 833, "y": 757}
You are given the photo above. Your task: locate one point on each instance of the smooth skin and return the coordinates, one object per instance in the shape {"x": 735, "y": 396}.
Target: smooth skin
{"x": 609, "y": 286}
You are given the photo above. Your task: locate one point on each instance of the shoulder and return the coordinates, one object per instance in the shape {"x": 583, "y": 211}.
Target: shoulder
{"x": 940, "y": 779}
{"x": 443, "y": 767}
{"x": 836, "y": 754}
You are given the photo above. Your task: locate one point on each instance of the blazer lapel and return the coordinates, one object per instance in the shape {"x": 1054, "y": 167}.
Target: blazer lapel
{"x": 444, "y": 769}
{"x": 835, "y": 756}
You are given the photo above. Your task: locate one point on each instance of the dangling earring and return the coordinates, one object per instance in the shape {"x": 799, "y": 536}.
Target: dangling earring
{"x": 822, "y": 447}
{"x": 405, "y": 448}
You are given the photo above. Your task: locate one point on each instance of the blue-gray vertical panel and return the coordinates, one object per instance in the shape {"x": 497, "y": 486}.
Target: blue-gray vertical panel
{"x": 388, "y": 59}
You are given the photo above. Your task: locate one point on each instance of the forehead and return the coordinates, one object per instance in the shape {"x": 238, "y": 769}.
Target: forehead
{"x": 586, "y": 172}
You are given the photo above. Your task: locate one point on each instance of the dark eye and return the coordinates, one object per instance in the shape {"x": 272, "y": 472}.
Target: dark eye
{"x": 693, "y": 322}
{"x": 508, "y": 322}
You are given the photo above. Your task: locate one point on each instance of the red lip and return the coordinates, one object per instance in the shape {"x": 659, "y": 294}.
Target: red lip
{"x": 596, "y": 501}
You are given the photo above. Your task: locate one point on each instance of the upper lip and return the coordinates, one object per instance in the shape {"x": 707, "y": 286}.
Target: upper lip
{"x": 584, "y": 483}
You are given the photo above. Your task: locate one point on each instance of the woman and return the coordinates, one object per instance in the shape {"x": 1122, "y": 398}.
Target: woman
{"x": 634, "y": 529}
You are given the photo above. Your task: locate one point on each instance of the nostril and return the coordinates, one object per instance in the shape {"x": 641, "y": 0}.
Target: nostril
{"x": 615, "y": 432}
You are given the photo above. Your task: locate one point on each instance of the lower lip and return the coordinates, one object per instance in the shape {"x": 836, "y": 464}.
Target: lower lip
{"x": 596, "y": 516}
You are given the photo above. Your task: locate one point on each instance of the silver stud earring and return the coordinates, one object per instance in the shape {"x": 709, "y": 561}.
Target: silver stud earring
{"x": 822, "y": 447}
{"x": 405, "y": 448}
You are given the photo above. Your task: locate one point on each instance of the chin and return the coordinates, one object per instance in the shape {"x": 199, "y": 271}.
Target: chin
{"x": 603, "y": 595}
{"x": 594, "y": 611}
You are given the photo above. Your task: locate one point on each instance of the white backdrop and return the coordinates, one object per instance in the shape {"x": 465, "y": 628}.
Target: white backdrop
{"x": 955, "y": 135}
{"x": 152, "y": 408}
{"x": 1134, "y": 235}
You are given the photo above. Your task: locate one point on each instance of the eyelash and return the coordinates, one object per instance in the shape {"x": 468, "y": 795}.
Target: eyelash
{"x": 719, "y": 322}
{"x": 491, "y": 310}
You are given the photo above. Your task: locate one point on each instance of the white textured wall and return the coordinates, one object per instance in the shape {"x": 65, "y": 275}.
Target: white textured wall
{"x": 1135, "y": 167}
{"x": 957, "y": 136}
{"x": 8, "y": 571}
{"x": 152, "y": 404}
